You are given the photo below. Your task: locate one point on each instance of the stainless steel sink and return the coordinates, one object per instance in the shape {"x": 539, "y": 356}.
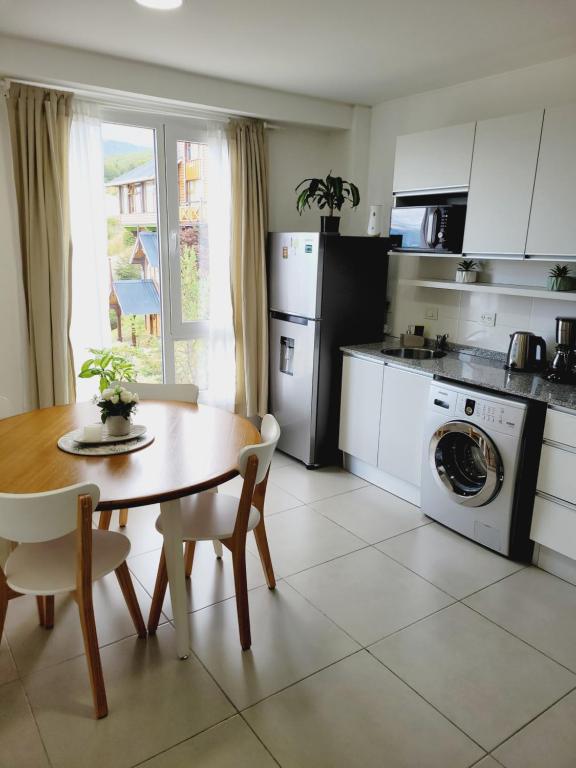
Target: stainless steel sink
{"x": 414, "y": 353}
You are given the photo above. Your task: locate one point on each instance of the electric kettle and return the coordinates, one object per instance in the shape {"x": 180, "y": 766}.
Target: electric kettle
{"x": 526, "y": 352}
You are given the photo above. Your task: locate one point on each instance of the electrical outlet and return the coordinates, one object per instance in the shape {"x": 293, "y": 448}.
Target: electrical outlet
{"x": 488, "y": 318}
{"x": 431, "y": 313}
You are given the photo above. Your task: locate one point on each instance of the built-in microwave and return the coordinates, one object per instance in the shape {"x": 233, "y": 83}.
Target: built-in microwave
{"x": 429, "y": 229}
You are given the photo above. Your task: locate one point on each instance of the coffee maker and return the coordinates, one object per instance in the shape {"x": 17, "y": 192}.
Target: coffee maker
{"x": 563, "y": 367}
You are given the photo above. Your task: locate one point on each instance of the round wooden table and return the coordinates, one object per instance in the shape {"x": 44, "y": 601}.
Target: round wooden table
{"x": 195, "y": 448}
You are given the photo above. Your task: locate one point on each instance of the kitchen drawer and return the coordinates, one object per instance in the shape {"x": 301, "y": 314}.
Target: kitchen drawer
{"x": 557, "y": 475}
{"x": 554, "y": 526}
{"x": 560, "y": 428}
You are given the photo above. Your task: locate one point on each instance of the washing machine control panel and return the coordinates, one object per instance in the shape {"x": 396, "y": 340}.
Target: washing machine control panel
{"x": 467, "y": 405}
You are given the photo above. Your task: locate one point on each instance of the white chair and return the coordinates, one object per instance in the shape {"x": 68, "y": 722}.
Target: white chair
{"x": 217, "y": 516}
{"x": 60, "y": 552}
{"x": 181, "y": 393}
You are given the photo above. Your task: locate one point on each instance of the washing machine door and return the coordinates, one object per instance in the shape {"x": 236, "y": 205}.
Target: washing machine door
{"x": 465, "y": 462}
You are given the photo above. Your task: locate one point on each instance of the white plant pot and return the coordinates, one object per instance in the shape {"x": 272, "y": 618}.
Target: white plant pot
{"x": 118, "y": 426}
{"x": 463, "y": 276}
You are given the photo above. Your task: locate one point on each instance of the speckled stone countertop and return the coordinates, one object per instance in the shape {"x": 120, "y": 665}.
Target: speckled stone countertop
{"x": 474, "y": 367}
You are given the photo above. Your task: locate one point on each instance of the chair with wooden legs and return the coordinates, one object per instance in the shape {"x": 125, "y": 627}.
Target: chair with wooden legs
{"x": 180, "y": 393}
{"x": 60, "y": 552}
{"x": 219, "y": 517}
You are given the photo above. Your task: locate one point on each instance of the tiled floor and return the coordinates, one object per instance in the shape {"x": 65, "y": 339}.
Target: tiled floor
{"x": 390, "y": 641}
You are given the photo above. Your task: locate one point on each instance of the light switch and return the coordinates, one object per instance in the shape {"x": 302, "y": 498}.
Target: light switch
{"x": 431, "y": 313}
{"x": 488, "y": 318}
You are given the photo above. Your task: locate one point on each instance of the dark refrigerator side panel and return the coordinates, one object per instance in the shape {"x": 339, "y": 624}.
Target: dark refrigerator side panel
{"x": 353, "y": 310}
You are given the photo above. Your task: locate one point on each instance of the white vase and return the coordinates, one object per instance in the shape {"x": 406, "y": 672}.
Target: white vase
{"x": 463, "y": 276}
{"x": 118, "y": 426}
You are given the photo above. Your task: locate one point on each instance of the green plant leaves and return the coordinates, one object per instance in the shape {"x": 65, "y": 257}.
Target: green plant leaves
{"x": 331, "y": 192}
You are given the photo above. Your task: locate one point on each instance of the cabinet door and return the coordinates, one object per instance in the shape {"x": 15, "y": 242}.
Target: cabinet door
{"x": 501, "y": 184}
{"x": 404, "y": 401}
{"x": 438, "y": 159}
{"x": 360, "y": 408}
{"x": 552, "y": 228}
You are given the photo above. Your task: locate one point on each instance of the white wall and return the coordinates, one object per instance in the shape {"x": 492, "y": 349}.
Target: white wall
{"x": 14, "y": 379}
{"x": 539, "y": 86}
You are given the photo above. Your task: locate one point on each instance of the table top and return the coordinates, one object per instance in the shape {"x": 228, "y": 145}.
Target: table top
{"x": 195, "y": 448}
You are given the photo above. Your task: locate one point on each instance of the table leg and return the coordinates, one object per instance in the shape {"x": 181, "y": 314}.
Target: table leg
{"x": 172, "y": 529}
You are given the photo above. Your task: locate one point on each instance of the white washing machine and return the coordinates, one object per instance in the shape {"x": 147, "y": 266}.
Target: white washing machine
{"x": 472, "y": 457}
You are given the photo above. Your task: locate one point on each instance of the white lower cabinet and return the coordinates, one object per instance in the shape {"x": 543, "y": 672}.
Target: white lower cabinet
{"x": 360, "y": 408}
{"x": 404, "y": 401}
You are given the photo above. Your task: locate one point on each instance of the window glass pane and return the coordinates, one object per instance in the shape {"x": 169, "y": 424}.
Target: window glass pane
{"x": 192, "y": 208}
{"x": 191, "y": 358}
{"x": 133, "y": 252}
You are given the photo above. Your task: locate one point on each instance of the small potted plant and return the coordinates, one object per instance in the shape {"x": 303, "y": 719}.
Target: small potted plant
{"x": 467, "y": 271}
{"x": 330, "y": 193}
{"x": 116, "y": 408}
{"x": 109, "y": 366}
{"x": 559, "y": 278}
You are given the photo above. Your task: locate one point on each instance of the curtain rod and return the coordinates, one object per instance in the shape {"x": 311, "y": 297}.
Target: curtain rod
{"x": 135, "y": 103}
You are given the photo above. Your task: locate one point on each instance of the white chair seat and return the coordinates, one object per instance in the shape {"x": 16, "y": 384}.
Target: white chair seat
{"x": 209, "y": 516}
{"x": 49, "y": 567}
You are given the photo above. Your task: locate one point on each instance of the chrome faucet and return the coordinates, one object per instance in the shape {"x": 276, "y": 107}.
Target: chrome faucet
{"x": 440, "y": 344}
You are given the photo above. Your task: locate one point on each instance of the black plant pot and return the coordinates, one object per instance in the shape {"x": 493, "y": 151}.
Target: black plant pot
{"x": 330, "y": 224}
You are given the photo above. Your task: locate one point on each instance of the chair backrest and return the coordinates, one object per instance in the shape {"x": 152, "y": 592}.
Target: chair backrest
{"x": 34, "y": 517}
{"x": 264, "y": 451}
{"x": 182, "y": 393}
{"x": 5, "y": 409}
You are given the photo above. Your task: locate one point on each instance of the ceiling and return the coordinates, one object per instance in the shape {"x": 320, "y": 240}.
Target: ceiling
{"x": 356, "y": 51}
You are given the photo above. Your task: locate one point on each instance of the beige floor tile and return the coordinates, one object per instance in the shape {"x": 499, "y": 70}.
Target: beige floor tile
{"x": 20, "y": 742}
{"x": 8, "y": 671}
{"x": 310, "y": 485}
{"x": 290, "y": 640}
{"x": 484, "y": 680}
{"x": 155, "y": 702}
{"x": 277, "y": 500}
{"x": 356, "y": 714}
{"x": 140, "y": 530}
{"x": 283, "y": 460}
{"x": 371, "y": 513}
{"x": 212, "y": 579}
{"x": 301, "y": 538}
{"x": 549, "y": 741}
{"x": 537, "y": 607}
{"x": 487, "y": 762}
{"x": 368, "y": 594}
{"x": 34, "y": 647}
{"x": 230, "y": 744}
{"x": 448, "y": 560}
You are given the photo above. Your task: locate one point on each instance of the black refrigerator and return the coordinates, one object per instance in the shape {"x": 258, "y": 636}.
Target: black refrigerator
{"x": 324, "y": 292}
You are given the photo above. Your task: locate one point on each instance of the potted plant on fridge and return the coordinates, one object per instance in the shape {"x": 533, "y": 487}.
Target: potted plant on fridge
{"x": 467, "y": 271}
{"x": 559, "y": 278}
{"x": 330, "y": 193}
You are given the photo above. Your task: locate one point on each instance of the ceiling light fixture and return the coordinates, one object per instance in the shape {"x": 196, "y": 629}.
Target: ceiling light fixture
{"x": 161, "y": 5}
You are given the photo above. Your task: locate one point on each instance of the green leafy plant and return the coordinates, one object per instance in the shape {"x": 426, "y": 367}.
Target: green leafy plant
{"x": 468, "y": 265}
{"x": 559, "y": 270}
{"x": 116, "y": 401}
{"x": 108, "y": 366}
{"x": 331, "y": 193}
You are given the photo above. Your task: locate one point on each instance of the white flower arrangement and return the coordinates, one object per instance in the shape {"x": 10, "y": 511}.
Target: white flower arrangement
{"x": 116, "y": 401}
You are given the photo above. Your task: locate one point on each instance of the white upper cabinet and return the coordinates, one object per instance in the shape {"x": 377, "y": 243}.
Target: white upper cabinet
{"x": 501, "y": 184}
{"x": 434, "y": 160}
{"x": 552, "y": 229}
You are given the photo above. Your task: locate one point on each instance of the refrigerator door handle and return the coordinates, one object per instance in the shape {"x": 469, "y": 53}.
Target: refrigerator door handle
{"x": 289, "y": 318}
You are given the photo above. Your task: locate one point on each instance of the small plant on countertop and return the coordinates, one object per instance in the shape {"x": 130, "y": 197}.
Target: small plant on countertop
{"x": 468, "y": 265}
{"x": 559, "y": 278}
{"x": 467, "y": 271}
{"x": 109, "y": 366}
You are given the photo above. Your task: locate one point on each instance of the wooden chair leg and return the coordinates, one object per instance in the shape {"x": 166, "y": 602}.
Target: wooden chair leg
{"x": 3, "y": 602}
{"x": 239, "y": 562}
{"x": 41, "y": 605}
{"x": 189, "y": 557}
{"x": 159, "y": 594}
{"x": 264, "y": 552}
{"x": 105, "y": 518}
{"x": 86, "y": 610}
{"x": 123, "y": 518}
{"x": 127, "y": 587}
{"x": 49, "y": 611}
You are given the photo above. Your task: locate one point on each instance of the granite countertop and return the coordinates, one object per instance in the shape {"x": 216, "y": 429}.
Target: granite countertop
{"x": 475, "y": 367}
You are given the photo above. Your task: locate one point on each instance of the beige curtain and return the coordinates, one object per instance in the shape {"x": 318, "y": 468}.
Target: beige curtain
{"x": 40, "y": 128}
{"x": 249, "y": 180}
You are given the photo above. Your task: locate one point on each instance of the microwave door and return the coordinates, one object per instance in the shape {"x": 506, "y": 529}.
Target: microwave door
{"x": 431, "y": 237}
